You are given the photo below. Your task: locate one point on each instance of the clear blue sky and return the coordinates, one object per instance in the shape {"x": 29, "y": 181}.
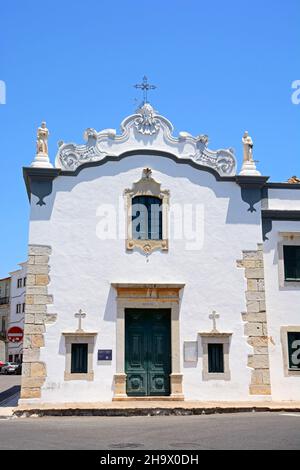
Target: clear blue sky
{"x": 221, "y": 67}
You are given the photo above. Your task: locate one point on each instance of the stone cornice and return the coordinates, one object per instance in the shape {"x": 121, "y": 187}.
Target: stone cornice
{"x": 283, "y": 185}
{"x": 214, "y": 334}
{"x": 38, "y": 181}
{"x": 293, "y": 215}
{"x": 80, "y": 333}
{"x": 251, "y": 182}
{"x": 138, "y": 285}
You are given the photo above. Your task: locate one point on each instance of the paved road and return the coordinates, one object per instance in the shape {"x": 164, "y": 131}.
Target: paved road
{"x": 235, "y": 431}
{"x": 7, "y": 381}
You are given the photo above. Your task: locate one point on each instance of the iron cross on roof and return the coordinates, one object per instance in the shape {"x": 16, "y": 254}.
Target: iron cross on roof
{"x": 145, "y": 87}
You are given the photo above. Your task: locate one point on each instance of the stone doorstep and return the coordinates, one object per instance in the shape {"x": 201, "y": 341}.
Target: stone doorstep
{"x": 147, "y": 399}
{"x": 151, "y": 408}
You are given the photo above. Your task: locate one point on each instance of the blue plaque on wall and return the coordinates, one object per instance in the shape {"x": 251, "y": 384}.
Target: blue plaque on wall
{"x": 104, "y": 354}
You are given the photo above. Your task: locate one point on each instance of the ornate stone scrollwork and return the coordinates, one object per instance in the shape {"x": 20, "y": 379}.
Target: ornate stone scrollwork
{"x": 223, "y": 161}
{"x": 145, "y": 130}
{"x": 146, "y": 123}
{"x": 72, "y": 156}
{"x": 90, "y": 133}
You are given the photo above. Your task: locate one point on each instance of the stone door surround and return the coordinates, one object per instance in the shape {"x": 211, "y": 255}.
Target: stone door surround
{"x": 147, "y": 296}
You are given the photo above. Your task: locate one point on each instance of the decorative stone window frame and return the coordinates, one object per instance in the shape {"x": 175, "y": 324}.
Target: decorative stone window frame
{"x": 284, "y": 330}
{"x": 147, "y": 186}
{"x": 75, "y": 338}
{"x": 215, "y": 338}
{"x": 286, "y": 239}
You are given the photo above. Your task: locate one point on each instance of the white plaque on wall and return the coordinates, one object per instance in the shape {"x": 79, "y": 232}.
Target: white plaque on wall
{"x": 190, "y": 351}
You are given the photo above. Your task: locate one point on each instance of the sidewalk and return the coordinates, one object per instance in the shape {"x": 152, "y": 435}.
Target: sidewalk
{"x": 151, "y": 408}
{"x": 6, "y": 412}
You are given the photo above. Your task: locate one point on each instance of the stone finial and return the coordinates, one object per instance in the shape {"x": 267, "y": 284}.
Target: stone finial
{"x": 203, "y": 139}
{"x": 41, "y": 159}
{"x": 147, "y": 123}
{"x": 147, "y": 174}
{"x": 249, "y": 167}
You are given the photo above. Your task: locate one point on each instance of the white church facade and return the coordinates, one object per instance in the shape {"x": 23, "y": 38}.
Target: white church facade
{"x": 157, "y": 269}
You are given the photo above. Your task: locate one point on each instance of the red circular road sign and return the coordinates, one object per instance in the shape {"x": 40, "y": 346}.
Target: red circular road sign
{"x": 15, "y": 334}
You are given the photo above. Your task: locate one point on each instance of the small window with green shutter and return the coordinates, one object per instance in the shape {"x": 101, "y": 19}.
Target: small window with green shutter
{"x": 291, "y": 256}
{"x": 215, "y": 358}
{"x": 294, "y": 350}
{"x": 79, "y": 358}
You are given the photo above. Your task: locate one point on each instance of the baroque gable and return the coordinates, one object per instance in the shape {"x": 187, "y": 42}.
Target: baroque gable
{"x": 144, "y": 130}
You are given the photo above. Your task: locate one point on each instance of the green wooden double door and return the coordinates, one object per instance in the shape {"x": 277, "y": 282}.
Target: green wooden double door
{"x": 148, "y": 351}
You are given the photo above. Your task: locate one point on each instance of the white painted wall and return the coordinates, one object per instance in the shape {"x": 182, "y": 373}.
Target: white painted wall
{"x": 83, "y": 268}
{"x": 284, "y": 199}
{"x": 17, "y": 296}
{"x": 283, "y": 309}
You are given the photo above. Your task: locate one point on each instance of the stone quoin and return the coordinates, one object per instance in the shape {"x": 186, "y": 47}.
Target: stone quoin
{"x": 157, "y": 250}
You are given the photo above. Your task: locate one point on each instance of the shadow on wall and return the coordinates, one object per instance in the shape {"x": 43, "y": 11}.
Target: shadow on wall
{"x": 62, "y": 346}
{"x": 110, "y": 312}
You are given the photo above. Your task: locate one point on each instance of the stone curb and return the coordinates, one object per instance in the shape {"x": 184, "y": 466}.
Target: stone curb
{"x": 7, "y": 412}
{"x": 127, "y": 412}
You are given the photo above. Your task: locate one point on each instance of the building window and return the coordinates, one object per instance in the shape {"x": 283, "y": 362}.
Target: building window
{"x": 79, "y": 355}
{"x": 18, "y": 308}
{"x": 17, "y": 358}
{"x": 10, "y": 358}
{"x": 6, "y": 291}
{"x": 147, "y": 207}
{"x": 23, "y": 307}
{"x": 19, "y": 283}
{"x": 3, "y": 325}
{"x": 79, "y": 358}
{"x": 290, "y": 342}
{"x": 215, "y": 347}
{"x": 215, "y": 358}
{"x": 146, "y": 218}
{"x": 291, "y": 256}
{"x": 294, "y": 350}
{"x": 289, "y": 260}
{"x": 24, "y": 282}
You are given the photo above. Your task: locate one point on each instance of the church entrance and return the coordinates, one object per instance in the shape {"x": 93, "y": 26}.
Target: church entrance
{"x": 148, "y": 351}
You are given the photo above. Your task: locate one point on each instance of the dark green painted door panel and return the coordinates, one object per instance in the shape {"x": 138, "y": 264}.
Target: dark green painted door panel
{"x": 147, "y": 352}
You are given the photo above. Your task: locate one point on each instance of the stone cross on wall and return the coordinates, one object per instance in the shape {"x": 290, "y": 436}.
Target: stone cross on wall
{"x": 214, "y": 316}
{"x": 80, "y": 315}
